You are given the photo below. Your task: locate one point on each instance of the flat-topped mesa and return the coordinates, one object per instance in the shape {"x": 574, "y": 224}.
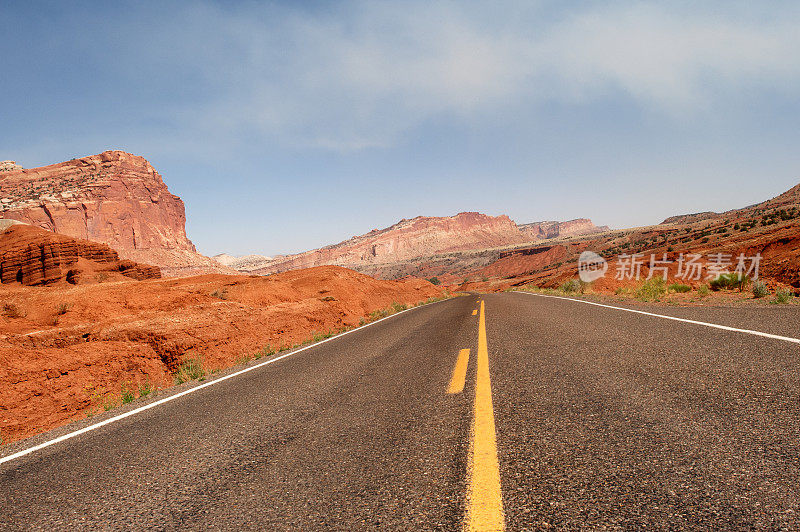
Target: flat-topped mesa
{"x": 114, "y": 197}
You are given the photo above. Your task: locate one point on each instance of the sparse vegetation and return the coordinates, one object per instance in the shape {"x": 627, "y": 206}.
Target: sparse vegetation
{"x": 679, "y": 288}
{"x": 399, "y": 307}
{"x": 243, "y": 359}
{"x": 571, "y": 286}
{"x": 10, "y": 310}
{"x": 652, "y": 289}
{"x": 266, "y": 351}
{"x": 220, "y": 293}
{"x": 729, "y": 281}
{"x": 782, "y": 296}
{"x": 434, "y": 281}
{"x": 63, "y": 308}
{"x": 190, "y": 369}
{"x": 127, "y": 394}
{"x": 145, "y": 389}
{"x": 759, "y": 289}
{"x": 703, "y": 291}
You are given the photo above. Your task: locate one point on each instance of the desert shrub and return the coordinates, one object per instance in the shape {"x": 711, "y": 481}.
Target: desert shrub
{"x": 782, "y": 295}
{"x": 652, "y": 289}
{"x": 127, "y": 394}
{"x": 728, "y": 281}
{"x": 703, "y": 290}
{"x": 318, "y": 337}
{"x": 10, "y": 310}
{"x": 220, "y": 294}
{"x": 63, "y": 308}
{"x": 760, "y": 289}
{"x": 571, "y": 286}
{"x": 434, "y": 281}
{"x": 399, "y": 307}
{"x": 679, "y": 288}
{"x": 266, "y": 351}
{"x": 190, "y": 369}
{"x": 146, "y": 389}
{"x": 378, "y": 314}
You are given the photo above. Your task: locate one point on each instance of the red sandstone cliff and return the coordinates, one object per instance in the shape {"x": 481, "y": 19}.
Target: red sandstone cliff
{"x": 115, "y": 198}
{"x": 407, "y": 239}
{"x": 33, "y": 256}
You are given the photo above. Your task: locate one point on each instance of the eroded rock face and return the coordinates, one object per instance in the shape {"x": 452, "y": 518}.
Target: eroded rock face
{"x": 115, "y": 198}
{"x": 9, "y": 166}
{"x": 542, "y": 230}
{"x": 407, "y": 239}
{"x": 33, "y": 256}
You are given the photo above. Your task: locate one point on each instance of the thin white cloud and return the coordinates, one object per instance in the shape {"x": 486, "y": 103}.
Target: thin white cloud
{"x": 364, "y": 75}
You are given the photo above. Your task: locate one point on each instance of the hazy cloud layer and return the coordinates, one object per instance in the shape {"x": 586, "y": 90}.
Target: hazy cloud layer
{"x": 364, "y": 75}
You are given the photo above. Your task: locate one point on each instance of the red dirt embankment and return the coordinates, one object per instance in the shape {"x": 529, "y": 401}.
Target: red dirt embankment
{"x": 65, "y": 350}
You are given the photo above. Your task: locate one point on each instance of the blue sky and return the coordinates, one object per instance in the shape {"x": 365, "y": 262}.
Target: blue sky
{"x": 285, "y": 126}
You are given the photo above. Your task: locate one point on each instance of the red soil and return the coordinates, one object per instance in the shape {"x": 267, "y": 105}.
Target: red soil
{"x": 64, "y": 349}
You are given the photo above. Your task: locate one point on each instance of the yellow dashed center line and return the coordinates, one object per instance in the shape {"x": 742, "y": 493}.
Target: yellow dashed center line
{"x": 459, "y": 372}
{"x": 485, "y": 501}
{"x": 474, "y": 312}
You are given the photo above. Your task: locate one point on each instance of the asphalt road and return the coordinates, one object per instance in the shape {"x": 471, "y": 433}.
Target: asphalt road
{"x": 595, "y": 418}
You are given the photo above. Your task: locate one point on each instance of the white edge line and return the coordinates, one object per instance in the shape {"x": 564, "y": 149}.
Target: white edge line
{"x": 684, "y": 320}
{"x": 154, "y": 404}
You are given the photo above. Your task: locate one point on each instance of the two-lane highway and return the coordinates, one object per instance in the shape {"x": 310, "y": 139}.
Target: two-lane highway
{"x": 481, "y": 411}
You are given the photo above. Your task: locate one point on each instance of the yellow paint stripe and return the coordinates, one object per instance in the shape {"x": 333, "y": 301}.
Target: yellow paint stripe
{"x": 459, "y": 373}
{"x": 474, "y": 312}
{"x": 485, "y": 502}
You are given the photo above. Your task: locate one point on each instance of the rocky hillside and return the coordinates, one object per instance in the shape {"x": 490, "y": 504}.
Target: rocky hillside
{"x": 247, "y": 263}
{"x": 543, "y": 230}
{"x": 407, "y": 239}
{"x": 68, "y": 351}
{"x": 32, "y": 256}
{"x": 115, "y": 198}
{"x": 770, "y": 229}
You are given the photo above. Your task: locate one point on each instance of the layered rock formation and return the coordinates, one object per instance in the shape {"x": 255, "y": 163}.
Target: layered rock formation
{"x": 9, "y": 166}
{"x": 33, "y": 256}
{"x": 115, "y": 198}
{"x": 552, "y": 229}
{"x": 246, "y": 263}
{"x": 407, "y": 239}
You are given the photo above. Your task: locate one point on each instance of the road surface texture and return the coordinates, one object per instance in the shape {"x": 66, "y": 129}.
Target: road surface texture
{"x": 522, "y": 412}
